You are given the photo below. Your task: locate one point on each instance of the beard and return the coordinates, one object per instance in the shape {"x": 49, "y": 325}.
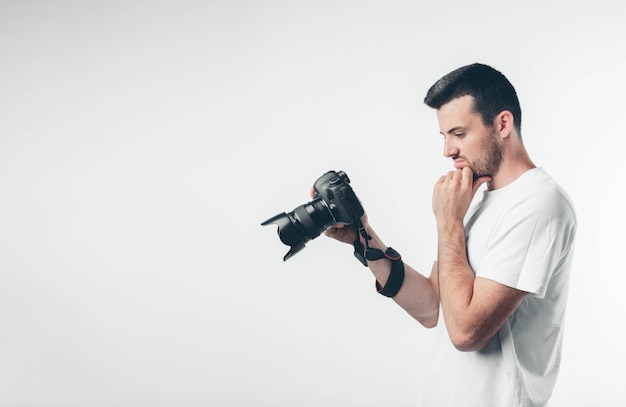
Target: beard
{"x": 489, "y": 161}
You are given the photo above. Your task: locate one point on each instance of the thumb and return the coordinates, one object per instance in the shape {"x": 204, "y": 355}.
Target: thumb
{"x": 478, "y": 182}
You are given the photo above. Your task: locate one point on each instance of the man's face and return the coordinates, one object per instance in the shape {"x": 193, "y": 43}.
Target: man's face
{"x": 467, "y": 140}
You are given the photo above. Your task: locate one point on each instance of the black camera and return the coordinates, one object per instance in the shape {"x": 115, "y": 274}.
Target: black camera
{"x": 334, "y": 202}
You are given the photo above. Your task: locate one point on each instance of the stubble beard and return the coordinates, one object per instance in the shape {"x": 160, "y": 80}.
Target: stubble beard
{"x": 491, "y": 157}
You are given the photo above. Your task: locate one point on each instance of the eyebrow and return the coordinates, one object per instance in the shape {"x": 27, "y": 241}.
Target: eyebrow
{"x": 454, "y": 130}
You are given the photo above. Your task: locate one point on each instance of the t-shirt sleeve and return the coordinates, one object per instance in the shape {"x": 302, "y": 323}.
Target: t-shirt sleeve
{"x": 529, "y": 245}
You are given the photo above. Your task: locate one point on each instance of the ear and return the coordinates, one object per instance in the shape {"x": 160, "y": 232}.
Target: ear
{"x": 503, "y": 123}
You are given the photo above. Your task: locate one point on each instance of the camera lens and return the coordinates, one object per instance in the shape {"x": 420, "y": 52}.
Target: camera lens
{"x": 304, "y": 223}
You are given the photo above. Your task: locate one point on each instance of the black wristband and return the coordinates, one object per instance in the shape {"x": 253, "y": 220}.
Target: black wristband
{"x": 396, "y": 275}
{"x": 377, "y": 254}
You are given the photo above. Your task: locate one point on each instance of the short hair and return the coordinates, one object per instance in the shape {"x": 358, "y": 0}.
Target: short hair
{"x": 491, "y": 90}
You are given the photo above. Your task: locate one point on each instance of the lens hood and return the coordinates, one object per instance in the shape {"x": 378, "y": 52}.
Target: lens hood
{"x": 288, "y": 233}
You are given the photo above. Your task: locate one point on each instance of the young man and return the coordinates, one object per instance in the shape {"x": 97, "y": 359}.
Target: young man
{"x": 502, "y": 273}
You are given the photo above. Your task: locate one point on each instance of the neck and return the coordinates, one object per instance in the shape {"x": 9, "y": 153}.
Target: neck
{"x": 513, "y": 165}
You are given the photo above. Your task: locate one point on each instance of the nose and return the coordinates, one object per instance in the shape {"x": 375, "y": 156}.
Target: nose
{"x": 450, "y": 148}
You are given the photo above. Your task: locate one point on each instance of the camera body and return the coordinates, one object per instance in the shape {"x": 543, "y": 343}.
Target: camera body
{"x": 335, "y": 191}
{"x": 334, "y": 202}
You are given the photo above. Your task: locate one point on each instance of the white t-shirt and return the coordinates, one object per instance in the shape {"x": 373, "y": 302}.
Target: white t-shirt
{"x": 521, "y": 236}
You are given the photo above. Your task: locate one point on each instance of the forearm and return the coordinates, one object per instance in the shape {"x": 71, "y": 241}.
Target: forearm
{"x": 456, "y": 278}
{"x": 456, "y": 283}
{"x": 474, "y": 308}
{"x": 418, "y": 295}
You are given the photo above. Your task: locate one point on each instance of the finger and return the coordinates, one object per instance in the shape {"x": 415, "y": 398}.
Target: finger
{"x": 439, "y": 182}
{"x": 467, "y": 175}
{"x": 450, "y": 177}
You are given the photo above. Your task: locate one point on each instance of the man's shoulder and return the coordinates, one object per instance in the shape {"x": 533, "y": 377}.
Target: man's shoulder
{"x": 543, "y": 191}
{"x": 542, "y": 202}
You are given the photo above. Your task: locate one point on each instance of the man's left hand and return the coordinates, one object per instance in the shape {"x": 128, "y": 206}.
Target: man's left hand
{"x": 453, "y": 194}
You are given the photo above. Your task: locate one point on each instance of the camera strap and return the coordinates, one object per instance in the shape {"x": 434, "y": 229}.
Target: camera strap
{"x": 365, "y": 253}
{"x": 359, "y": 249}
{"x": 396, "y": 275}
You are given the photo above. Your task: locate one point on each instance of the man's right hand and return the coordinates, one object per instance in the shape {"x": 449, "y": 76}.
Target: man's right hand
{"x": 341, "y": 232}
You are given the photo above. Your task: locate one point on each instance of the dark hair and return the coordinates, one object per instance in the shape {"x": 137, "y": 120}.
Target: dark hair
{"x": 491, "y": 90}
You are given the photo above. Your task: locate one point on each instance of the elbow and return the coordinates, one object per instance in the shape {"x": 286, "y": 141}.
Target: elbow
{"x": 467, "y": 341}
{"x": 429, "y": 321}
{"x": 465, "y": 346}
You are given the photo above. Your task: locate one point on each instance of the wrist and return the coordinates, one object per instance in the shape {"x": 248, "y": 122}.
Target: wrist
{"x": 450, "y": 227}
{"x": 388, "y": 282}
{"x": 374, "y": 240}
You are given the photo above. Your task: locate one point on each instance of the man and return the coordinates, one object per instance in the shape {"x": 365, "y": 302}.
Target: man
{"x": 501, "y": 277}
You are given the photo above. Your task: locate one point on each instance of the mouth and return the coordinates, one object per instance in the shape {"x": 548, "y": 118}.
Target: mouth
{"x": 459, "y": 163}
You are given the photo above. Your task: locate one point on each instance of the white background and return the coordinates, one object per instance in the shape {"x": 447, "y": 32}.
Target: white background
{"x": 142, "y": 143}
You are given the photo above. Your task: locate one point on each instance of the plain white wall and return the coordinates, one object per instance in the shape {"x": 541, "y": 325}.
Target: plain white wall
{"x": 143, "y": 142}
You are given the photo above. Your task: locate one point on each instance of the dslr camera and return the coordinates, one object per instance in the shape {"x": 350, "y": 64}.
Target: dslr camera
{"x": 334, "y": 202}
